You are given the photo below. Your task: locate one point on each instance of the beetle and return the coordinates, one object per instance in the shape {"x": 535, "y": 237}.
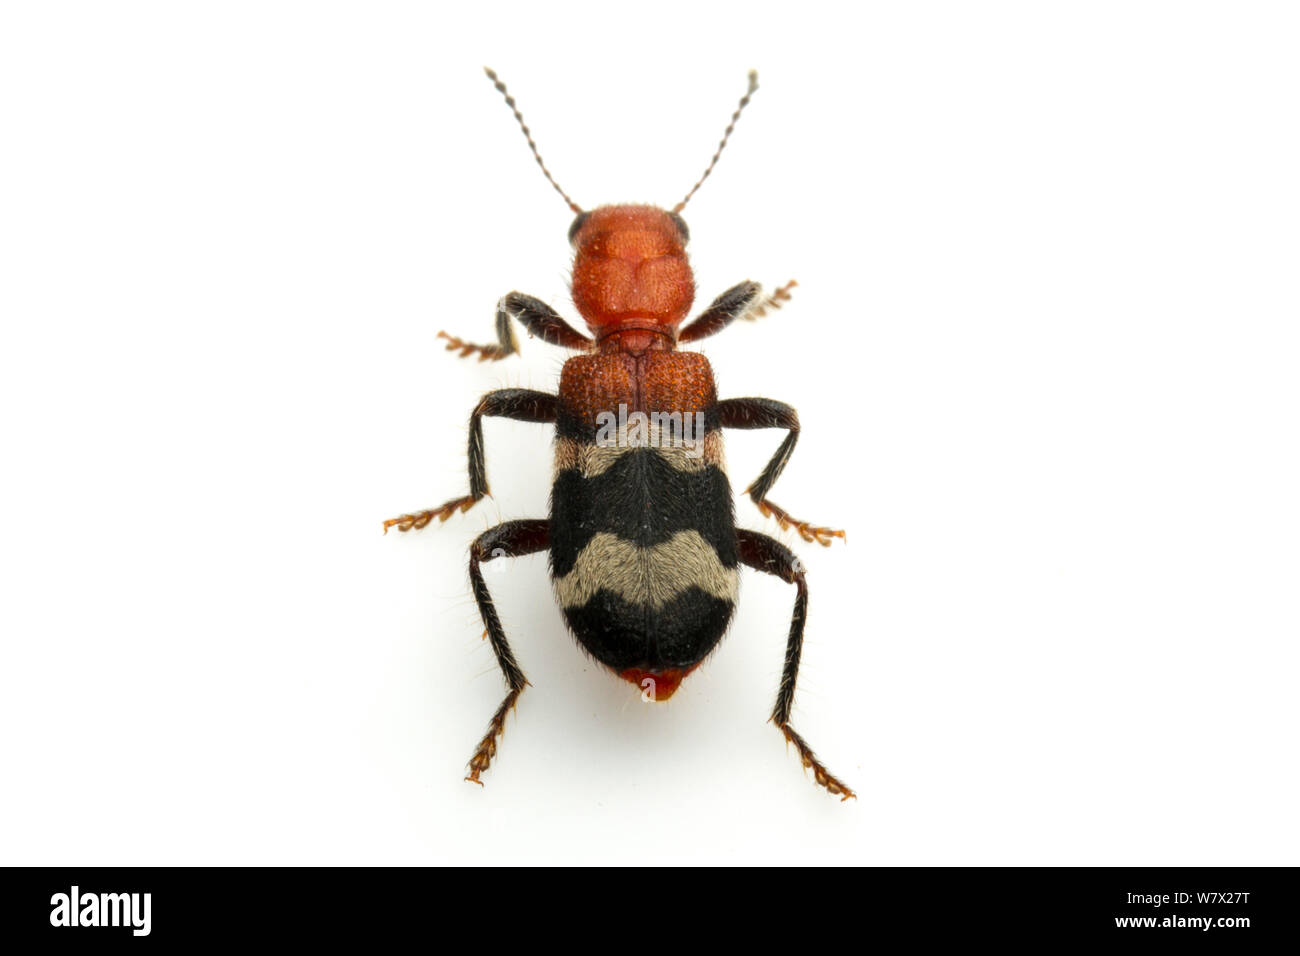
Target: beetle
{"x": 644, "y": 549}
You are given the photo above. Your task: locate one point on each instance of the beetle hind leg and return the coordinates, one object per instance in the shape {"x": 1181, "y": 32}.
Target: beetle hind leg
{"x": 809, "y": 759}
{"x": 509, "y": 540}
{"x": 487, "y": 747}
{"x": 770, "y": 556}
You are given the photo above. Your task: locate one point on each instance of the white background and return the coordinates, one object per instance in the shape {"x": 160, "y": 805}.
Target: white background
{"x": 1044, "y": 348}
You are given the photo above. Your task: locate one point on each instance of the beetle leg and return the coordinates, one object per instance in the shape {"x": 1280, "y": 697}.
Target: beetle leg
{"x": 535, "y": 316}
{"x": 521, "y": 404}
{"x": 508, "y": 540}
{"x": 724, "y": 310}
{"x": 743, "y": 301}
{"x": 766, "y": 554}
{"x": 773, "y": 301}
{"x": 766, "y": 413}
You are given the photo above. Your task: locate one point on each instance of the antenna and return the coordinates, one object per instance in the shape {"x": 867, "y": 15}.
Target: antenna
{"x": 510, "y": 102}
{"x": 744, "y": 101}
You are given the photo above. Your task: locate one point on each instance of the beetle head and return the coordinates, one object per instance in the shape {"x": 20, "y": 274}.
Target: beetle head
{"x": 630, "y": 269}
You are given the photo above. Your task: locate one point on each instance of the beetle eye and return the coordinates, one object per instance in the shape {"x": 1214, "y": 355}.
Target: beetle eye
{"x": 577, "y": 224}
{"x": 681, "y": 227}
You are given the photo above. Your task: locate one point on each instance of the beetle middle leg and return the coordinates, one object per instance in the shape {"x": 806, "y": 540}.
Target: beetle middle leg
{"x": 770, "y": 556}
{"x": 521, "y": 404}
{"x": 766, "y": 413}
{"x": 509, "y": 540}
{"x": 535, "y": 316}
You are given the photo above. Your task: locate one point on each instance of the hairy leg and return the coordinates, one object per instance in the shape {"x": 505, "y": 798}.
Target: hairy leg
{"x": 770, "y": 556}
{"x": 508, "y": 540}
{"x": 520, "y": 404}
{"x": 766, "y": 413}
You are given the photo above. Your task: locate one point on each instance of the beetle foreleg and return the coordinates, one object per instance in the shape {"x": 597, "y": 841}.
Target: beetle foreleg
{"x": 773, "y": 301}
{"x": 766, "y": 554}
{"x": 743, "y": 301}
{"x": 724, "y": 310}
{"x": 535, "y": 316}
